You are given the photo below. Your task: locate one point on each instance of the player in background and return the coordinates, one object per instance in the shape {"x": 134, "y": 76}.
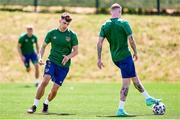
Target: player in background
{"x": 27, "y": 53}
{"x": 118, "y": 32}
{"x": 64, "y": 46}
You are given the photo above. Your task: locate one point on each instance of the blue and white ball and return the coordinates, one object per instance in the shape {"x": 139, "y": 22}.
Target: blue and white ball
{"x": 159, "y": 109}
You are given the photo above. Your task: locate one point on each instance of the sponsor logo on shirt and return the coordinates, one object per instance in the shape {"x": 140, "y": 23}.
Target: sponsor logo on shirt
{"x": 68, "y": 38}
{"x": 26, "y": 40}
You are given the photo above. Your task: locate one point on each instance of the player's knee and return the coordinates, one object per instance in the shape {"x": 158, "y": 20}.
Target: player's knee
{"x": 54, "y": 91}
{"x": 44, "y": 83}
{"x": 36, "y": 67}
{"x": 47, "y": 77}
{"x": 135, "y": 79}
{"x": 46, "y": 80}
{"x": 28, "y": 69}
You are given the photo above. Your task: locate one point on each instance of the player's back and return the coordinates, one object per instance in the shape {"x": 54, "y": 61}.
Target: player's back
{"x": 116, "y": 31}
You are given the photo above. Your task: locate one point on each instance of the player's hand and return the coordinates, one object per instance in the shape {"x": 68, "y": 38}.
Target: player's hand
{"x": 65, "y": 59}
{"x": 100, "y": 64}
{"x": 135, "y": 57}
{"x": 41, "y": 62}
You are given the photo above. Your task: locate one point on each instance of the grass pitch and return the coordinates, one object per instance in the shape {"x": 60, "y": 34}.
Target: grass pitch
{"x": 158, "y": 44}
{"x": 87, "y": 101}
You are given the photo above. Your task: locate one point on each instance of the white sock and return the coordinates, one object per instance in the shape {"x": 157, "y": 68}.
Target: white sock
{"x": 37, "y": 81}
{"x": 46, "y": 101}
{"x": 145, "y": 94}
{"x": 121, "y": 104}
{"x": 36, "y": 102}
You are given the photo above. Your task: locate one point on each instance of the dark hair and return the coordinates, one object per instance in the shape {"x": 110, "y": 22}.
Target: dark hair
{"x": 66, "y": 17}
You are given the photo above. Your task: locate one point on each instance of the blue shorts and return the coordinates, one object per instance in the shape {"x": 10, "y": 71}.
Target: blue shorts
{"x": 57, "y": 73}
{"x": 33, "y": 57}
{"x": 127, "y": 67}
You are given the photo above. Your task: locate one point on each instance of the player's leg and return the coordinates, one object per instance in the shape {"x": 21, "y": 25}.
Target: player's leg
{"x": 39, "y": 93}
{"x": 48, "y": 74}
{"x": 138, "y": 85}
{"x": 42, "y": 86}
{"x": 27, "y": 63}
{"x": 58, "y": 79}
{"x": 53, "y": 92}
{"x": 127, "y": 72}
{"x": 123, "y": 95}
{"x": 36, "y": 66}
{"x": 34, "y": 60}
{"x": 50, "y": 97}
{"x": 28, "y": 69}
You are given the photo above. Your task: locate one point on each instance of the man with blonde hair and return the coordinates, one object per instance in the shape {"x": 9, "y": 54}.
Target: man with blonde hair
{"x": 26, "y": 51}
{"x": 118, "y": 32}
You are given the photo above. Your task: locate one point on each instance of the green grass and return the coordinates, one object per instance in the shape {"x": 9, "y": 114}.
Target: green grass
{"x": 158, "y": 45}
{"x": 87, "y": 101}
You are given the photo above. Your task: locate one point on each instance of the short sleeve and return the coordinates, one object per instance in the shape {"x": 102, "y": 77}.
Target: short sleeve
{"x": 20, "y": 40}
{"x": 127, "y": 28}
{"x": 48, "y": 38}
{"x": 74, "y": 40}
{"x": 36, "y": 39}
{"x": 101, "y": 33}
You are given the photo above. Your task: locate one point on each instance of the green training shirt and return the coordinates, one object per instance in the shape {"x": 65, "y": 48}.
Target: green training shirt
{"x": 27, "y": 43}
{"x": 61, "y": 44}
{"x": 116, "y": 31}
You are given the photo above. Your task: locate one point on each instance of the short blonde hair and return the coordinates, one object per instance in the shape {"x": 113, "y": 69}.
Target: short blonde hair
{"x": 115, "y": 5}
{"x": 29, "y": 27}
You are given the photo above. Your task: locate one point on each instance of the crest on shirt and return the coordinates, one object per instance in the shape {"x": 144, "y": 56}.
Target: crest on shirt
{"x": 54, "y": 37}
{"x": 33, "y": 40}
{"x": 68, "y": 38}
{"x": 26, "y": 40}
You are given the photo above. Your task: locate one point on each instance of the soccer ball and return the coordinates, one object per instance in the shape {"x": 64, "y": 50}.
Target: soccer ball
{"x": 159, "y": 109}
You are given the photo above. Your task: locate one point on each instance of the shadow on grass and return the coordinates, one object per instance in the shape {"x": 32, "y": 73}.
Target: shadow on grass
{"x": 116, "y": 116}
{"x": 125, "y": 116}
{"x": 60, "y": 114}
{"x": 28, "y": 86}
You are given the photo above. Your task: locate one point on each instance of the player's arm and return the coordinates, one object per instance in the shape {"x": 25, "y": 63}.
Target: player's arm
{"x": 133, "y": 46}
{"x": 20, "y": 52}
{"x": 41, "y": 53}
{"x": 99, "y": 51}
{"x": 37, "y": 47}
{"x": 71, "y": 55}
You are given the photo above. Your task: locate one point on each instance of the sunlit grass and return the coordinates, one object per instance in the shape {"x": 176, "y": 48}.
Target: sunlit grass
{"x": 77, "y": 100}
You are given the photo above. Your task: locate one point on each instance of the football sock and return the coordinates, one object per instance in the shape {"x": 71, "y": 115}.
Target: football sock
{"x": 145, "y": 94}
{"x": 37, "y": 81}
{"x": 121, "y": 104}
{"x": 46, "y": 101}
{"x": 36, "y": 102}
